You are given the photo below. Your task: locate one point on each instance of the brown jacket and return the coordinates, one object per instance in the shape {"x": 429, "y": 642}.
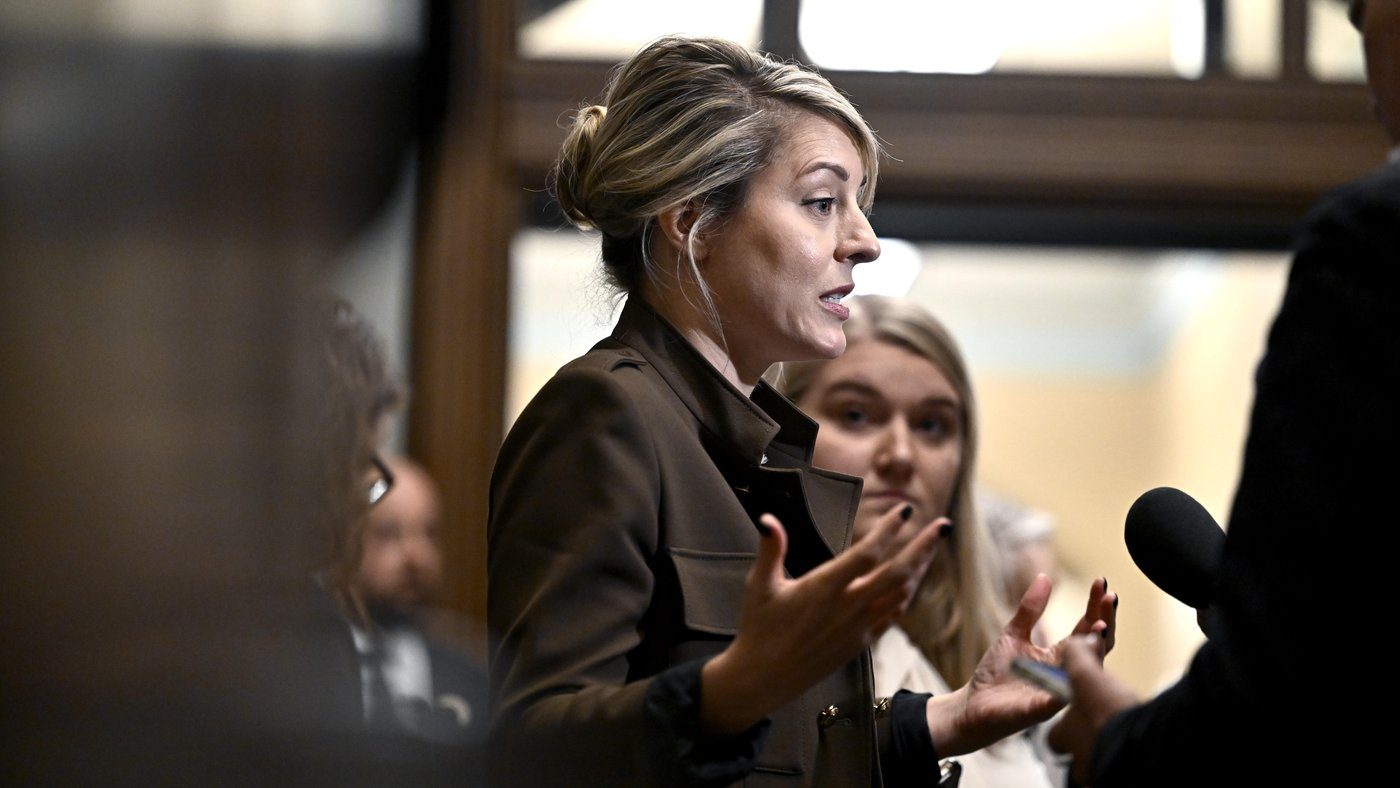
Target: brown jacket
{"x": 622, "y": 528}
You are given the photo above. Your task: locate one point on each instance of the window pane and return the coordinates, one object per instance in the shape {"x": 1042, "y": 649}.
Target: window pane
{"x": 613, "y": 29}
{"x": 1334, "y": 47}
{"x": 1139, "y": 37}
{"x": 1254, "y": 38}
{"x": 559, "y": 307}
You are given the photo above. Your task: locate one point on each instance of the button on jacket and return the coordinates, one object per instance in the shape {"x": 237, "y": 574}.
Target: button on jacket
{"x": 623, "y": 509}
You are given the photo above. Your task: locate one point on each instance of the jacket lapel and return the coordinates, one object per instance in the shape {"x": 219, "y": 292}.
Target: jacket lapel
{"x": 815, "y": 508}
{"x": 762, "y": 444}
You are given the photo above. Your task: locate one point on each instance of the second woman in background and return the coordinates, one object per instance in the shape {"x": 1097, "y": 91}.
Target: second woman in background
{"x": 897, "y": 409}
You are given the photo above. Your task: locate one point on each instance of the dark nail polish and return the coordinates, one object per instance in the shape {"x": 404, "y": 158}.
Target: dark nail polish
{"x": 945, "y": 530}
{"x": 1115, "y": 602}
{"x": 1103, "y": 634}
{"x": 906, "y": 512}
{"x": 764, "y": 528}
{"x": 1105, "y": 583}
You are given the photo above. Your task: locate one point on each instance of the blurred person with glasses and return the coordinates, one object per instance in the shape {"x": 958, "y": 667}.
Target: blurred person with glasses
{"x": 422, "y": 702}
{"x": 418, "y": 682}
{"x": 383, "y": 480}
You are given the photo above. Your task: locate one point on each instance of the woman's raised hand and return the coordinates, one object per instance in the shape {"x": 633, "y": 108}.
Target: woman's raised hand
{"x": 1102, "y": 606}
{"x": 794, "y": 632}
{"x": 995, "y": 703}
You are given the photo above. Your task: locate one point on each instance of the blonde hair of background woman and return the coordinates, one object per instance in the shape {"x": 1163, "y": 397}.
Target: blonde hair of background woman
{"x": 957, "y": 612}
{"x": 687, "y": 121}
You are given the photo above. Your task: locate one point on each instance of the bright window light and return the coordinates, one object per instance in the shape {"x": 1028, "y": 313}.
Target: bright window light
{"x": 893, "y": 274}
{"x": 940, "y": 36}
{"x": 614, "y": 29}
{"x": 1142, "y": 37}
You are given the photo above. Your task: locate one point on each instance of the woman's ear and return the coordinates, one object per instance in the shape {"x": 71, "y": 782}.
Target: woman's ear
{"x": 676, "y": 224}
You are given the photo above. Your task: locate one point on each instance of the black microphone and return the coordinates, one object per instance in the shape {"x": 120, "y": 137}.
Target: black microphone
{"x": 1177, "y": 544}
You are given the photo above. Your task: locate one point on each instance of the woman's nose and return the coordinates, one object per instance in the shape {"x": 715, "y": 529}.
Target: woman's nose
{"x": 895, "y": 454}
{"x": 860, "y": 244}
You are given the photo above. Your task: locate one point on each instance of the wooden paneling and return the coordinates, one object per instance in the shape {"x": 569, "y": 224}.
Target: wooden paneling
{"x": 1056, "y": 140}
{"x": 461, "y": 286}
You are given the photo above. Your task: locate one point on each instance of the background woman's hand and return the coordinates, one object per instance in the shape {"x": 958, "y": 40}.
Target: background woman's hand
{"x": 794, "y": 632}
{"x": 995, "y": 703}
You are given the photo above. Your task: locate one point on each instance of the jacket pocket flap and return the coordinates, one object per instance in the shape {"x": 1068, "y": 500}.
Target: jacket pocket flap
{"x": 712, "y": 588}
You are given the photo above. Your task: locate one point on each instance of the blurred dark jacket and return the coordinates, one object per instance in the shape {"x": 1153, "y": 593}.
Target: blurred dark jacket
{"x": 1301, "y": 592}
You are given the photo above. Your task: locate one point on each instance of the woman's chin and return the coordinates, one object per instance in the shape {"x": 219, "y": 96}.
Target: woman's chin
{"x": 824, "y": 348}
{"x": 794, "y": 349}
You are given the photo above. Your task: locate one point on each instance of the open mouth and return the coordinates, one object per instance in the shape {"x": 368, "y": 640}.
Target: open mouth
{"x": 835, "y": 296}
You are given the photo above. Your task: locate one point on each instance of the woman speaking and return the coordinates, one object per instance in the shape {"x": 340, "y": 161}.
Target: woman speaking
{"x": 675, "y": 596}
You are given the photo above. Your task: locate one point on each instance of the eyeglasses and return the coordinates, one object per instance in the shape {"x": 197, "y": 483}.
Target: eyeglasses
{"x": 383, "y": 483}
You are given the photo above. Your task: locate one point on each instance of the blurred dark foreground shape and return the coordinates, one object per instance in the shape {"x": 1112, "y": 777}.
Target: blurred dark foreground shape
{"x": 165, "y": 201}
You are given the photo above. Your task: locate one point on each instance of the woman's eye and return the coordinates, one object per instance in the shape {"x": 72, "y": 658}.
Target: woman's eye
{"x": 854, "y": 417}
{"x": 822, "y": 205}
{"x": 935, "y": 429}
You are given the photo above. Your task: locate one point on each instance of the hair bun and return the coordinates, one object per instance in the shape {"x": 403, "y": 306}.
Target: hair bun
{"x": 592, "y": 114}
{"x": 573, "y": 181}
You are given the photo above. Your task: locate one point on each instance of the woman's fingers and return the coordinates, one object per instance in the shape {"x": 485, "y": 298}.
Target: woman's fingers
{"x": 767, "y": 573}
{"x": 1031, "y": 608}
{"x": 812, "y": 624}
{"x": 895, "y": 580}
{"x": 1100, "y": 617}
{"x": 1108, "y": 613}
{"x": 866, "y": 588}
{"x": 1097, "y": 590}
{"x": 870, "y": 551}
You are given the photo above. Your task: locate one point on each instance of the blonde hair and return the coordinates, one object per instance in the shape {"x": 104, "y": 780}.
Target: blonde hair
{"x": 957, "y": 612}
{"x": 687, "y": 121}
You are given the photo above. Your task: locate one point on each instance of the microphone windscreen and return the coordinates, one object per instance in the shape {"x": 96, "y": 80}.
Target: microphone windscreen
{"x": 1176, "y": 543}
